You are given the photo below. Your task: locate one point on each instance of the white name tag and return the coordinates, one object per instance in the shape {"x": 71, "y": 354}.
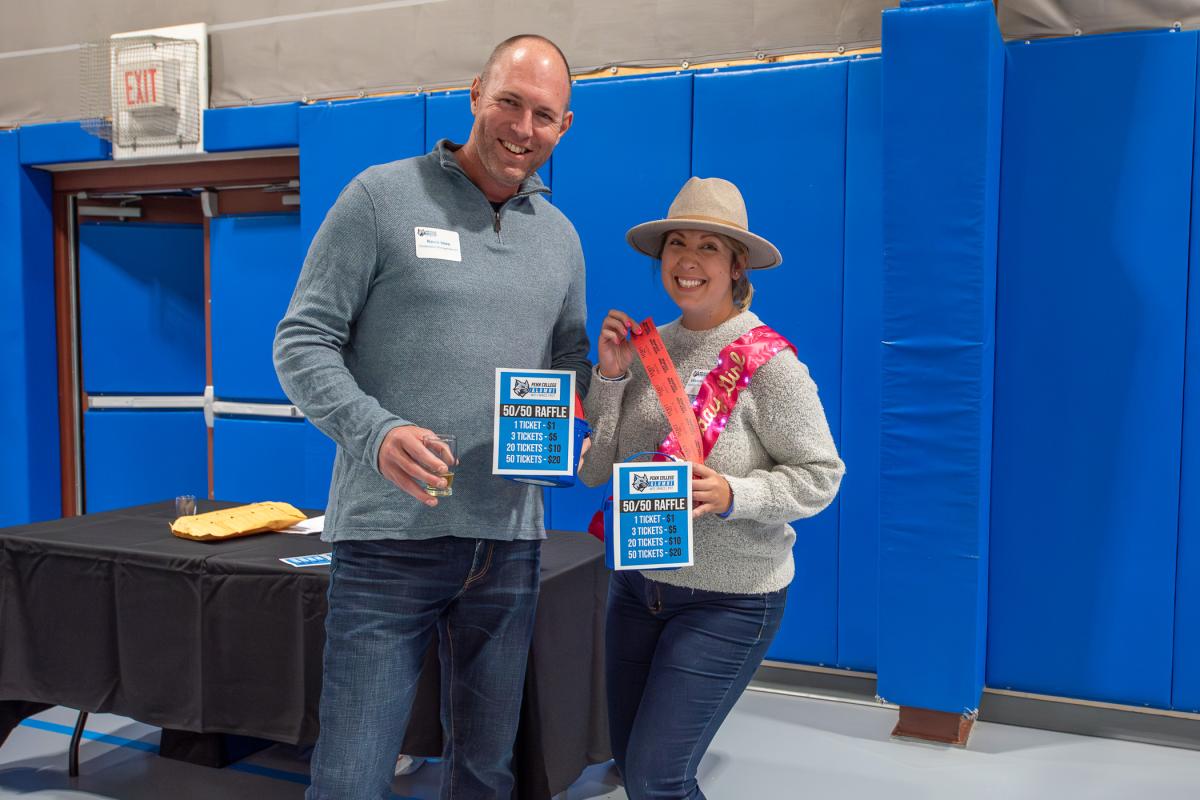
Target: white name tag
{"x": 695, "y": 382}
{"x": 437, "y": 243}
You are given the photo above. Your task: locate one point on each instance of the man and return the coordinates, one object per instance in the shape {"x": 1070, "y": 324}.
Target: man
{"x": 427, "y": 274}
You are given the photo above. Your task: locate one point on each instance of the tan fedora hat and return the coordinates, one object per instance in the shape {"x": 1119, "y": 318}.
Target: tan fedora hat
{"x": 706, "y": 204}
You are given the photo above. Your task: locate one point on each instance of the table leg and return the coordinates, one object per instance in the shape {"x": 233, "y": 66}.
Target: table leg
{"x": 73, "y": 751}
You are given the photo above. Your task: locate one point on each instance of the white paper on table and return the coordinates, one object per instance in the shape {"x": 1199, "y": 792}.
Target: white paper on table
{"x": 314, "y": 525}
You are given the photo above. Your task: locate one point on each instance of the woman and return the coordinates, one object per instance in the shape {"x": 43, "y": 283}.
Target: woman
{"x": 682, "y": 645}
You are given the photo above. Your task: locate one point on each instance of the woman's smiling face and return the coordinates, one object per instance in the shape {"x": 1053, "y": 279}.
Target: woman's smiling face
{"x": 698, "y": 272}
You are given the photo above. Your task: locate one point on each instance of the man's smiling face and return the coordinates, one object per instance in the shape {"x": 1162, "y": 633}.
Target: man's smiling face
{"x": 520, "y": 109}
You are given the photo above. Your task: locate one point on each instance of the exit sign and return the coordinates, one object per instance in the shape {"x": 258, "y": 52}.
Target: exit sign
{"x": 143, "y": 88}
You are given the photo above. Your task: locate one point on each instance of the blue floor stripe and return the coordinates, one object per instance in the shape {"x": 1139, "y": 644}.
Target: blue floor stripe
{"x": 121, "y": 741}
{"x": 268, "y": 772}
{"x": 95, "y": 736}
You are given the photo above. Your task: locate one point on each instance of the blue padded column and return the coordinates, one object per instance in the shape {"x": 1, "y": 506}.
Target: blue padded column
{"x": 609, "y": 175}
{"x": 255, "y": 261}
{"x": 1098, "y": 141}
{"x": 29, "y": 464}
{"x": 340, "y": 140}
{"x": 1185, "y": 692}
{"x": 300, "y": 458}
{"x": 862, "y": 332}
{"x": 943, "y": 72}
{"x": 794, "y": 120}
{"x": 141, "y": 308}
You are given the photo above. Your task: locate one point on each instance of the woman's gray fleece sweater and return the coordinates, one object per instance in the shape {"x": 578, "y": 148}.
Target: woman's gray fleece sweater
{"x": 776, "y": 452}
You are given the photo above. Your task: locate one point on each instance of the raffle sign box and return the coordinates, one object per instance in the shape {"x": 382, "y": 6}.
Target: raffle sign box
{"x": 652, "y": 516}
{"x": 534, "y": 431}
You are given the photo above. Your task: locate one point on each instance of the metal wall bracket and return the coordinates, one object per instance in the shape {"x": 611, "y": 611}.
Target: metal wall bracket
{"x": 145, "y": 401}
{"x": 257, "y": 409}
{"x": 211, "y": 406}
{"x": 208, "y": 204}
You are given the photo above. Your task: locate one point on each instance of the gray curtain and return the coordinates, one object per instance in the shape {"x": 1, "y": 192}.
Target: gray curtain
{"x": 1026, "y": 19}
{"x": 269, "y": 51}
{"x": 265, "y": 51}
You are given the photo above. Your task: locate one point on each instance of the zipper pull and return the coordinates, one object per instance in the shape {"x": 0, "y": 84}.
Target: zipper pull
{"x": 496, "y": 223}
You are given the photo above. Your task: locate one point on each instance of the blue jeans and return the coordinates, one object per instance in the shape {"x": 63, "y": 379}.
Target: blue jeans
{"x": 676, "y": 661}
{"x": 386, "y": 600}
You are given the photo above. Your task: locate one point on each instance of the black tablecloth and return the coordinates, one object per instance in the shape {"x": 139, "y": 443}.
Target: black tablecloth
{"x": 110, "y": 612}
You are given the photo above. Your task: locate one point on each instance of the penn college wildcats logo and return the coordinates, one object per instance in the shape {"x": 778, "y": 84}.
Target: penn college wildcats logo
{"x": 520, "y": 387}
{"x": 640, "y": 482}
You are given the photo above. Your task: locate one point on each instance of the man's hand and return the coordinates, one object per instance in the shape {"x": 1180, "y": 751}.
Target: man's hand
{"x": 407, "y": 462}
{"x": 710, "y": 491}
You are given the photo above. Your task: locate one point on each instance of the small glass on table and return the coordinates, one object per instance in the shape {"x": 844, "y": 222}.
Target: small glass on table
{"x": 445, "y": 447}
{"x": 185, "y": 505}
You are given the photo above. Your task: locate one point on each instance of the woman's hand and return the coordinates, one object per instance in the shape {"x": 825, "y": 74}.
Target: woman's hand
{"x": 616, "y": 351}
{"x": 710, "y": 491}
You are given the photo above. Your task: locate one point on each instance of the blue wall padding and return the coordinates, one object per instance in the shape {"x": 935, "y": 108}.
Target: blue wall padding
{"x": 448, "y": 116}
{"x": 1185, "y": 692}
{"x": 340, "y": 140}
{"x": 1098, "y": 142}
{"x": 251, "y": 127}
{"x": 29, "y": 465}
{"x": 862, "y": 331}
{"x": 610, "y": 175}
{"x": 141, "y": 308}
{"x": 134, "y": 457}
{"x": 255, "y": 260}
{"x": 58, "y": 142}
{"x": 300, "y": 459}
{"x": 942, "y": 96}
{"x": 794, "y": 197}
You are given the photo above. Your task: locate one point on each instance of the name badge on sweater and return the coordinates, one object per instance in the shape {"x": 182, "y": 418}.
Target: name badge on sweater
{"x": 694, "y": 383}
{"x": 437, "y": 243}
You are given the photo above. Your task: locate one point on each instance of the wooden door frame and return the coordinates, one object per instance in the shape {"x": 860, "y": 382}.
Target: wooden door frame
{"x": 238, "y": 180}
